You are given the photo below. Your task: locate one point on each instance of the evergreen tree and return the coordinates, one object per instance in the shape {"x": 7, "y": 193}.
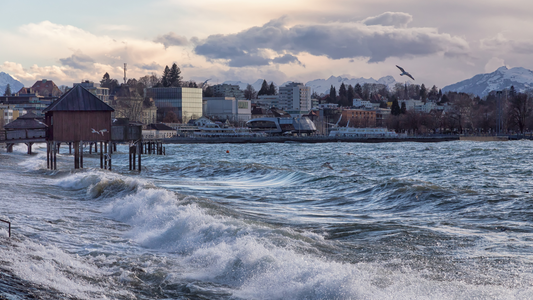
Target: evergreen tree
{"x": 403, "y": 109}
{"x": 8, "y": 90}
{"x": 333, "y": 94}
{"x": 395, "y": 108}
{"x": 174, "y": 78}
{"x": 272, "y": 89}
{"x": 358, "y": 90}
{"x": 423, "y": 92}
{"x": 264, "y": 88}
{"x": 350, "y": 94}
{"x": 111, "y": 84}
{"x": 165, "y": 80}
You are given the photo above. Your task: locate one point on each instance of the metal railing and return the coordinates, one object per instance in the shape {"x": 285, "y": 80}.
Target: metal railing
{"x": 9, "y": 226}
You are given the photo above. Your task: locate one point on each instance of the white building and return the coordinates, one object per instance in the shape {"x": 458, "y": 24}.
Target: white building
{"x": 360, "y": 103}
{"x": 410, "y": 104}
{"x": 295, "y": 96}
{"x": 227, "y": 108}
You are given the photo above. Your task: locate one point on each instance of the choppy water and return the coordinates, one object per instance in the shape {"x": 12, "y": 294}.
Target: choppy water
{"x": 446, "y": 220}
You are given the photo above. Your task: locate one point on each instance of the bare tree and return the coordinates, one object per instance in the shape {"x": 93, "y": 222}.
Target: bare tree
{"x": 519, "y": 110}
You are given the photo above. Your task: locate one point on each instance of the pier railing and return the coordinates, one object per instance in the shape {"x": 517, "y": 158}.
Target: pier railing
{"x": 9, "y": 232}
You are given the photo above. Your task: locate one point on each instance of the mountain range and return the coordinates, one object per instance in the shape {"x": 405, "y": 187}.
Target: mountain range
{"x": 502, "y": 78}
{"x": 14, "y": 84}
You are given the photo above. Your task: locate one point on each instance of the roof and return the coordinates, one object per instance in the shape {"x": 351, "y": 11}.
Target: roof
{"x": 158, "y": 126}
{"x": 78, "y": 99}
{"x": 27, "y": 121}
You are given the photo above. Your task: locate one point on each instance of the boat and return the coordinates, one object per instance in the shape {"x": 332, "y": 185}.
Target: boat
{"x": 378, "y": 132}
{"x": 215, "y": 130}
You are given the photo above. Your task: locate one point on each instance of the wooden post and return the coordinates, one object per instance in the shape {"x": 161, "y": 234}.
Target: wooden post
{"x": 134, "y": 150}
{"x": 70, "y": 148}
{"x": 90, "y": 148}
{"x": 76, "y": 155}
{"x": 110, "y": 152}
{"x": 48, "y": 155}
{"x": 139, "y": 147}
{"x": 81, "y": 155}
{"x": 105, "y": 152}
{"x": 55, "y": 156}
{"x": 129, "y": 156}
{"x": 101, "y": 155}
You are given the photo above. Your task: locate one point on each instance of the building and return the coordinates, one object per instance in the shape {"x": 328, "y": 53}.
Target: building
{"x": 227, "y": 108}
{"x": 185, "y": 102}
{"x": 158, "y": 131}
{"x": 267, "y": 101}
{"x": 228, "y": 90}
{"x": 295, "y": 96}
{"x": 358, "y": 118}
{"x": 360, "y": 103}
{"x": 46, "y": 88}
{"x": 100, "y": 92}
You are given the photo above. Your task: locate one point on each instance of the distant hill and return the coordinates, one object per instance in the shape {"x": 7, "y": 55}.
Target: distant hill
{"x": 502, "y": 78}
{"x": 6, "y": 79}
{"x": 322, "y": 86}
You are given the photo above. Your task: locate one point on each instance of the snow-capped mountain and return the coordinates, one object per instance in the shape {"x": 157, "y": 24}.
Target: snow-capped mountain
{"x": 6, "y": 79}
{"x": 322, "y": 86}
{"x": 502, "y": 78}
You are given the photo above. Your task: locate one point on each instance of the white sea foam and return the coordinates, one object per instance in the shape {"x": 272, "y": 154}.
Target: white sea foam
{"x": 261, "y": 262}
{"x": 53, "y": 268}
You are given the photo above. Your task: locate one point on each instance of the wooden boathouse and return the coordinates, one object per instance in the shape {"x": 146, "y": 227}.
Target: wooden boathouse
{"x": 76, "y": 118}
{"x": 27, "y": 129}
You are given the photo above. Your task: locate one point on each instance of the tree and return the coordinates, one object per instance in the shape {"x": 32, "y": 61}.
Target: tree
{"x": 358, "y": 90}
{"x": 171, "y": 117}
{"x": 395, "y": 108}
{"x": 111, "y": 84}
{"x": 350, "y": 95}
{"x": 8, "y": 90}
{"x": 403, "y": 108}
{"x": 423, "y": 92}
{"x": 332, "y": 94}
{"x": 165, "y": 79}
{"x": 264, "y": 88}
{"x": 519, "y": 110}
{"x": 272, "y": 89}
{"x": 174, "y": 78}
{"x": 249, "y": 92}
{"x": 208, "y": 92}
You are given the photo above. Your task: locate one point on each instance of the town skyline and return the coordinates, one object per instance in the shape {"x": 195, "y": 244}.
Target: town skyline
{"x": 439, "y": 43}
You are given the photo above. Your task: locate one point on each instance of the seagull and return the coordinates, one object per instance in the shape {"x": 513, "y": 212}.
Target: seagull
{"x": 404, "y": 72}
{"x": 95, "y": 131}
{"x": 103, "y": 130}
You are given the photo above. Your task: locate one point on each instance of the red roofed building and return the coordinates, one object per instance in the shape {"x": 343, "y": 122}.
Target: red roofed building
{"x": 46, "y": 88}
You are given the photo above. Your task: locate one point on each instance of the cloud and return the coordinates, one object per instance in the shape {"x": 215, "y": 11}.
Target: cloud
{"x": 77, "y": 60}
{"x": 286, "y": 59}
{"x": 493, "y": 64}
{"x": 171, "y": 39}
{"x": 396, "y": 19}
{"x": 333, "y": 40}
{"x": 151, "y": 67}
{"x": 501, "y": 44}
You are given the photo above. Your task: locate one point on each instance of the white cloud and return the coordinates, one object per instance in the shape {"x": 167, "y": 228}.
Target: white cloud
{"x": 396, "y": 19}
{"x": 493, "y": 64}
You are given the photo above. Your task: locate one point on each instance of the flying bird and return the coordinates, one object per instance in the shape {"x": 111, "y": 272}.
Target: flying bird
{"x": 99, "y": 131}
{"x": 404, "y": 72}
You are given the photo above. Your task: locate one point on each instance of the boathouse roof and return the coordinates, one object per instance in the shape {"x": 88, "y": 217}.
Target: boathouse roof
{"x": 27, "y": 121}
{"x": 158, "y": 126}
{"x": 78, "y": 99}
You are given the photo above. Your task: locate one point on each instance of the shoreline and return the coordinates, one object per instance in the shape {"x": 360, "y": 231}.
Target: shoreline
{"x": 304, "y": 140}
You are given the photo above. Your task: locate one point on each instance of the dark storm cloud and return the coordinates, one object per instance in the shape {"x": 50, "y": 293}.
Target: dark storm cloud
{"x": 333, "y": 40}
{"x": 286, "y": 59}
{"x": 77, "y": 60}
{"x": 171, "y": 39}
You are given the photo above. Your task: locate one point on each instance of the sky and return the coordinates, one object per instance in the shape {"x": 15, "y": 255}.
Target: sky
{"x": 438, "y": 42}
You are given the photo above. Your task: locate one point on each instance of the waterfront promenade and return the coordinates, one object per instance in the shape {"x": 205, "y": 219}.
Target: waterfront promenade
{"x": 307, "y": 139}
